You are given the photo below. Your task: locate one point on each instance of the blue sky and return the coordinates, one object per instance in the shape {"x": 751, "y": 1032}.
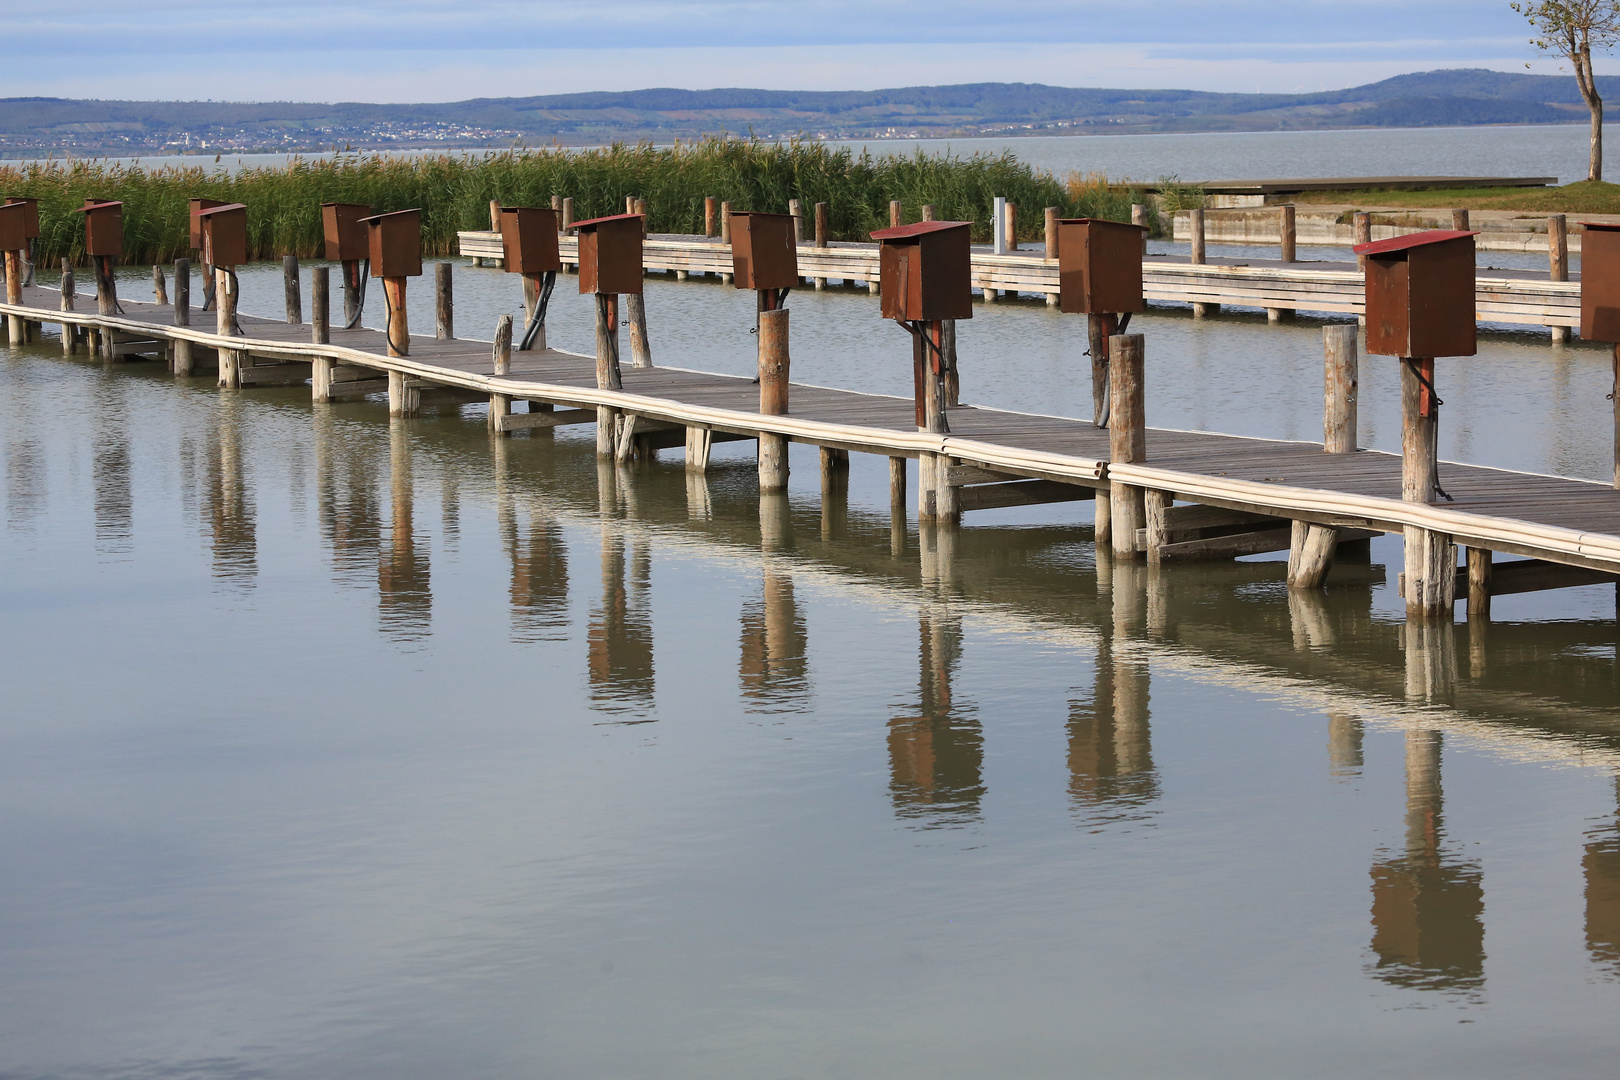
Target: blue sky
{"x": 414, "y": 50}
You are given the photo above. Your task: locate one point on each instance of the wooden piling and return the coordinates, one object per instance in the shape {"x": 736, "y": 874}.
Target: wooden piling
{"x": 289, "y": 286}
{"x": 399, "y": 329}
{"x": 823, "y": 224}
{"x": 1101, "y": 328}
{"x": 567, "y": 213}
{"x": 1310, "y": 554}
{"x": 699, "y": 441}
{"x": 1558, "y": 263}
{"x": 14, "y": 279}
{"x": 160, "y": 288}
{"x": 774, "y": 373}
{"x": 182, "y": 358}
{"x": 1459, "y": 219}
{"x": 607, "y": 370}
{"x": 1127, "y": 438}
{"x": 929, "y": 212}
{"x": 502, "y": 348}
{"x": 711, "y": 210}
{"x": 1362, "y": 230}
{"x": 1614, "y": 398}
{"x": 635, "y": 306}
{"x": 494, "y": 215}
{"x": 1010, "y": 214}
{"x": 1289, "y": 228}
{"x": 897, "y": 213}
{"x": 444, "y": 305}
{"x": 1195, "y": 222}
{"x": 1155, "y": 505}
{"x": 320, "y": 332}
{"x": 1051, "y": 229}
{"x": 1341, "y": 383}
{"x": 796, "y": 212}
{"x": 1431, "y": 557}
{"x": 70, "y": 331}
{"x": 1139, "y": 217}
{"x": 1479, "y": 583}
{"x": 225, "y": 299}
{"x": 404, "y": 399}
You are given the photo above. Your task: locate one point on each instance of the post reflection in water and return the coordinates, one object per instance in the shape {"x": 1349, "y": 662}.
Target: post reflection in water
{"x": 619, "y": 641}
{"x": 347, "y": 499}
{"x": 114, "y": 500}
{"x": 1345, "y": 758}
{"x": 539, "y": 591}
{"x": 1427, "y": 906}
{"x": 773, "y": 669}
{"x": 1601, "y": 864}
{"x": 404, "y": 589}
{"x": 226, "y": 506}
{"x": 1111, "y": 773}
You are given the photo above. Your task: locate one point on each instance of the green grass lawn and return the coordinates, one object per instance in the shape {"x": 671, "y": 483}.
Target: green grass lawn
{"x": 1584, "y": 197}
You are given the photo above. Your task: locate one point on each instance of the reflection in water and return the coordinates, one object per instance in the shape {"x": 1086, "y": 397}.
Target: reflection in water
{"x": 936, "y": 757}
{"x": 620, "y": 641}
{"x": 1344, "y": 746}
{"x": 350, "y": 516}
{"x": 25, "y": 482}
{"x": 114, "y": 501}
{"x": 1426, "y": 909}
{"x": 539, "y": 592}
{"x": 226, "y": 503}
{"x": 1111, "y": 774}
{"x": 404, "y": 590}
{"x": 773, "y": 668}
{"x": 1602, "y": 865}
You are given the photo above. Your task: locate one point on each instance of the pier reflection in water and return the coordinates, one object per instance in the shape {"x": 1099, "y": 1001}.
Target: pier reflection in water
{"x": 941, "y": 828}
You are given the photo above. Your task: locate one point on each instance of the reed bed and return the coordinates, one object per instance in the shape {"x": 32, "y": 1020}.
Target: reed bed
{"x": 454, "y": 192}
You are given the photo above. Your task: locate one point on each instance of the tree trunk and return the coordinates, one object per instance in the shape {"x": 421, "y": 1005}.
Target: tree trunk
{"x": 1586, "y": 79}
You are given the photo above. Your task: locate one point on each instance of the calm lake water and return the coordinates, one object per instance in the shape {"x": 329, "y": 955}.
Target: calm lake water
{"x": 343, "y": 747}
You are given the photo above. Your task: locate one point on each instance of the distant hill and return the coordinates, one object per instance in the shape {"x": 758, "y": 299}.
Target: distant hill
{"x": 1450, "y": 97}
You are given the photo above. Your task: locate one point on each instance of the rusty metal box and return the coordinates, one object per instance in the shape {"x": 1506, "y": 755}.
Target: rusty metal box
{"x": 224, "y": 235}
{"x": 103, "y": 227}
{"x": 610, "y": 254}
{"x": 395, "y": 242}
{"x": 1099, "y": 267}
{"x": 529, "y": 239}
{"x": 197, "y": 207}
{"x": 924, "y": 271}
{"x": 13, "y": 227}
{"x": 1420, "y": 294}
{"x": 30, "y": 216}
{"x": 345, "y": 229}
{"x": 764, "y": 251}
{"x": 1600, "y": 281}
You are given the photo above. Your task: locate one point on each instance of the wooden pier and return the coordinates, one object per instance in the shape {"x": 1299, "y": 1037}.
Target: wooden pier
{"x": 1518, "y": 297}
{"x": 1199, "y": 496}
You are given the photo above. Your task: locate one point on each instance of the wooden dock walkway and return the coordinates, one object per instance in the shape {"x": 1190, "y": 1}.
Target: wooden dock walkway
{"x": 1240, "y": 495}
{"x": 1519, "y": 297}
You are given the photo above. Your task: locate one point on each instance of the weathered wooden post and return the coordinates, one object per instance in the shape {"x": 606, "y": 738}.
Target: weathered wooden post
{"x": 711, "y": 211}
{"x": 1139, "y": 218}
{"x": 184, "y": 351}
{"x": 500, "y": 405}
{"x": 567, "y": 213}
{"x": 635, "y": 307}
{"x": 529, "y": 246}
{"x": 320, "y": 332}
{"x": 1558, "y": 263}
{"x": 610, "y": 264}
{"x": 14, "y": 236}
{"x": 1100, "y": 277}
{"x": 725, "y": 235}
{"x": 796, "y": 212}
{"x": 70, "y": 331}
{"x": 1289, "y": 228}
{"x": 224, "y": 247}
{"x": 290, "y": 290}
{"x": 394, "y": 242}
{"x": 1459, "y": 220}
{"x": 897, "y": 213}
{"x": 765, "y": 258}
{"x": 1361, "y": 224}
{"x": 1420, "y": 305}
{"x": 1341, "y": 382}
{"x": 197, "y": 206}
{"x": 823, "y": 224}
{"x": 31, "y": 216}
{"x": 444, "y": 302}
{"x": 925, "y": 280}
{"x": 348, "y": 245}
{"x": 1195, "y": 223}
{"x": 160, "y": 287}
{"x": 104, "y": 242}
{"x": 1600, "y": 304}
{"x": 1011, "y": 227}
{"x": 929, "y": 212}
{"x": 1127, "y": 440}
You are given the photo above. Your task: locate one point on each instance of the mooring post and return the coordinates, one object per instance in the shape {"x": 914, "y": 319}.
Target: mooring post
{"x": 1051, "y": 230}
{"x": 399, "y": 325}
{"x": 1479, "y": 583}
{"x": 353, "y": 284}
{"x": 14, "y": 280}
{"x": 404, "y": 399}
{"x": 1431, "y": 557}
{"x": 1195, "y": 223}
{"x": 160, "y": 288}
{"x": 444, "y": 306}
{"x": 567, "y": 212}
{"x": 929, "y": 212}
{"x": 1310, "y": 554}
{"x": 70, "y": 332}
{"x": 1289, "y": 229}
{"x": 725, "y": 237}
{"x": 1459, "y": 220}
{"x": 106, "y": 302}
{"x": 1362, "y": 231}
{"x": 184, "y": 357}
{"x": 1614, "y": 396}
{"x": 1341, "y": 382}
{"x": 607, "y": 370}
{"x": 289, "y": 286}
{"x": 711, "y": 208}
{"x": 320, "y": 332}
{"x": 1127, "y": 438}
{"x": 500, "y": 405}
{"x": 897, "y": 213}
{"x": 636, "y": 315}
{"x": 774, "y": 363}
{"x": 1139, "y": 218}
{"x": 1558, "y": 263}
{"x": 796, "y": 212}
{"x": 823, "y": 224}
{"x": 1101, "y": 328}
{"x": 494, "y": 215}
{"x": 225, "y": 298}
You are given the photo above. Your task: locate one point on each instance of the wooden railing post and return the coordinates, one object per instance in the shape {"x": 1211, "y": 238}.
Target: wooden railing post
{"x": 774, "y": 372}
{"x": 1127, "y": 439}
{"x": 1341, "y": 379}
{"x": 796, "y": 211}
{"x": 1558, "y": 263}
{"x": 444, "y": 306}
{"x": 289, "y": 287}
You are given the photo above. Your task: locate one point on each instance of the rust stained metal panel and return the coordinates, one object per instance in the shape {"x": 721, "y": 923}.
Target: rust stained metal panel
{"x": 395, "y": 243}
{"x": 764, "y": 252}
{"x": 529, "y": 239}
{"x": 1420, "y": 295}
{"x": 1099, "y": 266}
{"x": 345, "y": 229}
{"x": 924, "y": 271}
{"x": 31, "y": 216}
{"x": 197, "y": 207}
{"x": 13, "y": 227}
{"x": 103, "y": 227}
{"x": 224, "y": 234}
{"x": 610, "y": 254}
{"x": 1600, "y": 282}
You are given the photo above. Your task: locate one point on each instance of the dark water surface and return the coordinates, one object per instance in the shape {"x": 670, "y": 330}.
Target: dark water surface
{"x": 341, "y": 747}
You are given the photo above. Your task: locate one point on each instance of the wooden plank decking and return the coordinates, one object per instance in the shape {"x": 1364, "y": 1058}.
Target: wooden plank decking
{"x": 1559, "y": 520}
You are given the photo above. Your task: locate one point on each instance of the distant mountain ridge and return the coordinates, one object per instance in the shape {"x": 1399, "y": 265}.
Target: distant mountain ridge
{"x": 1449, "y": 97}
